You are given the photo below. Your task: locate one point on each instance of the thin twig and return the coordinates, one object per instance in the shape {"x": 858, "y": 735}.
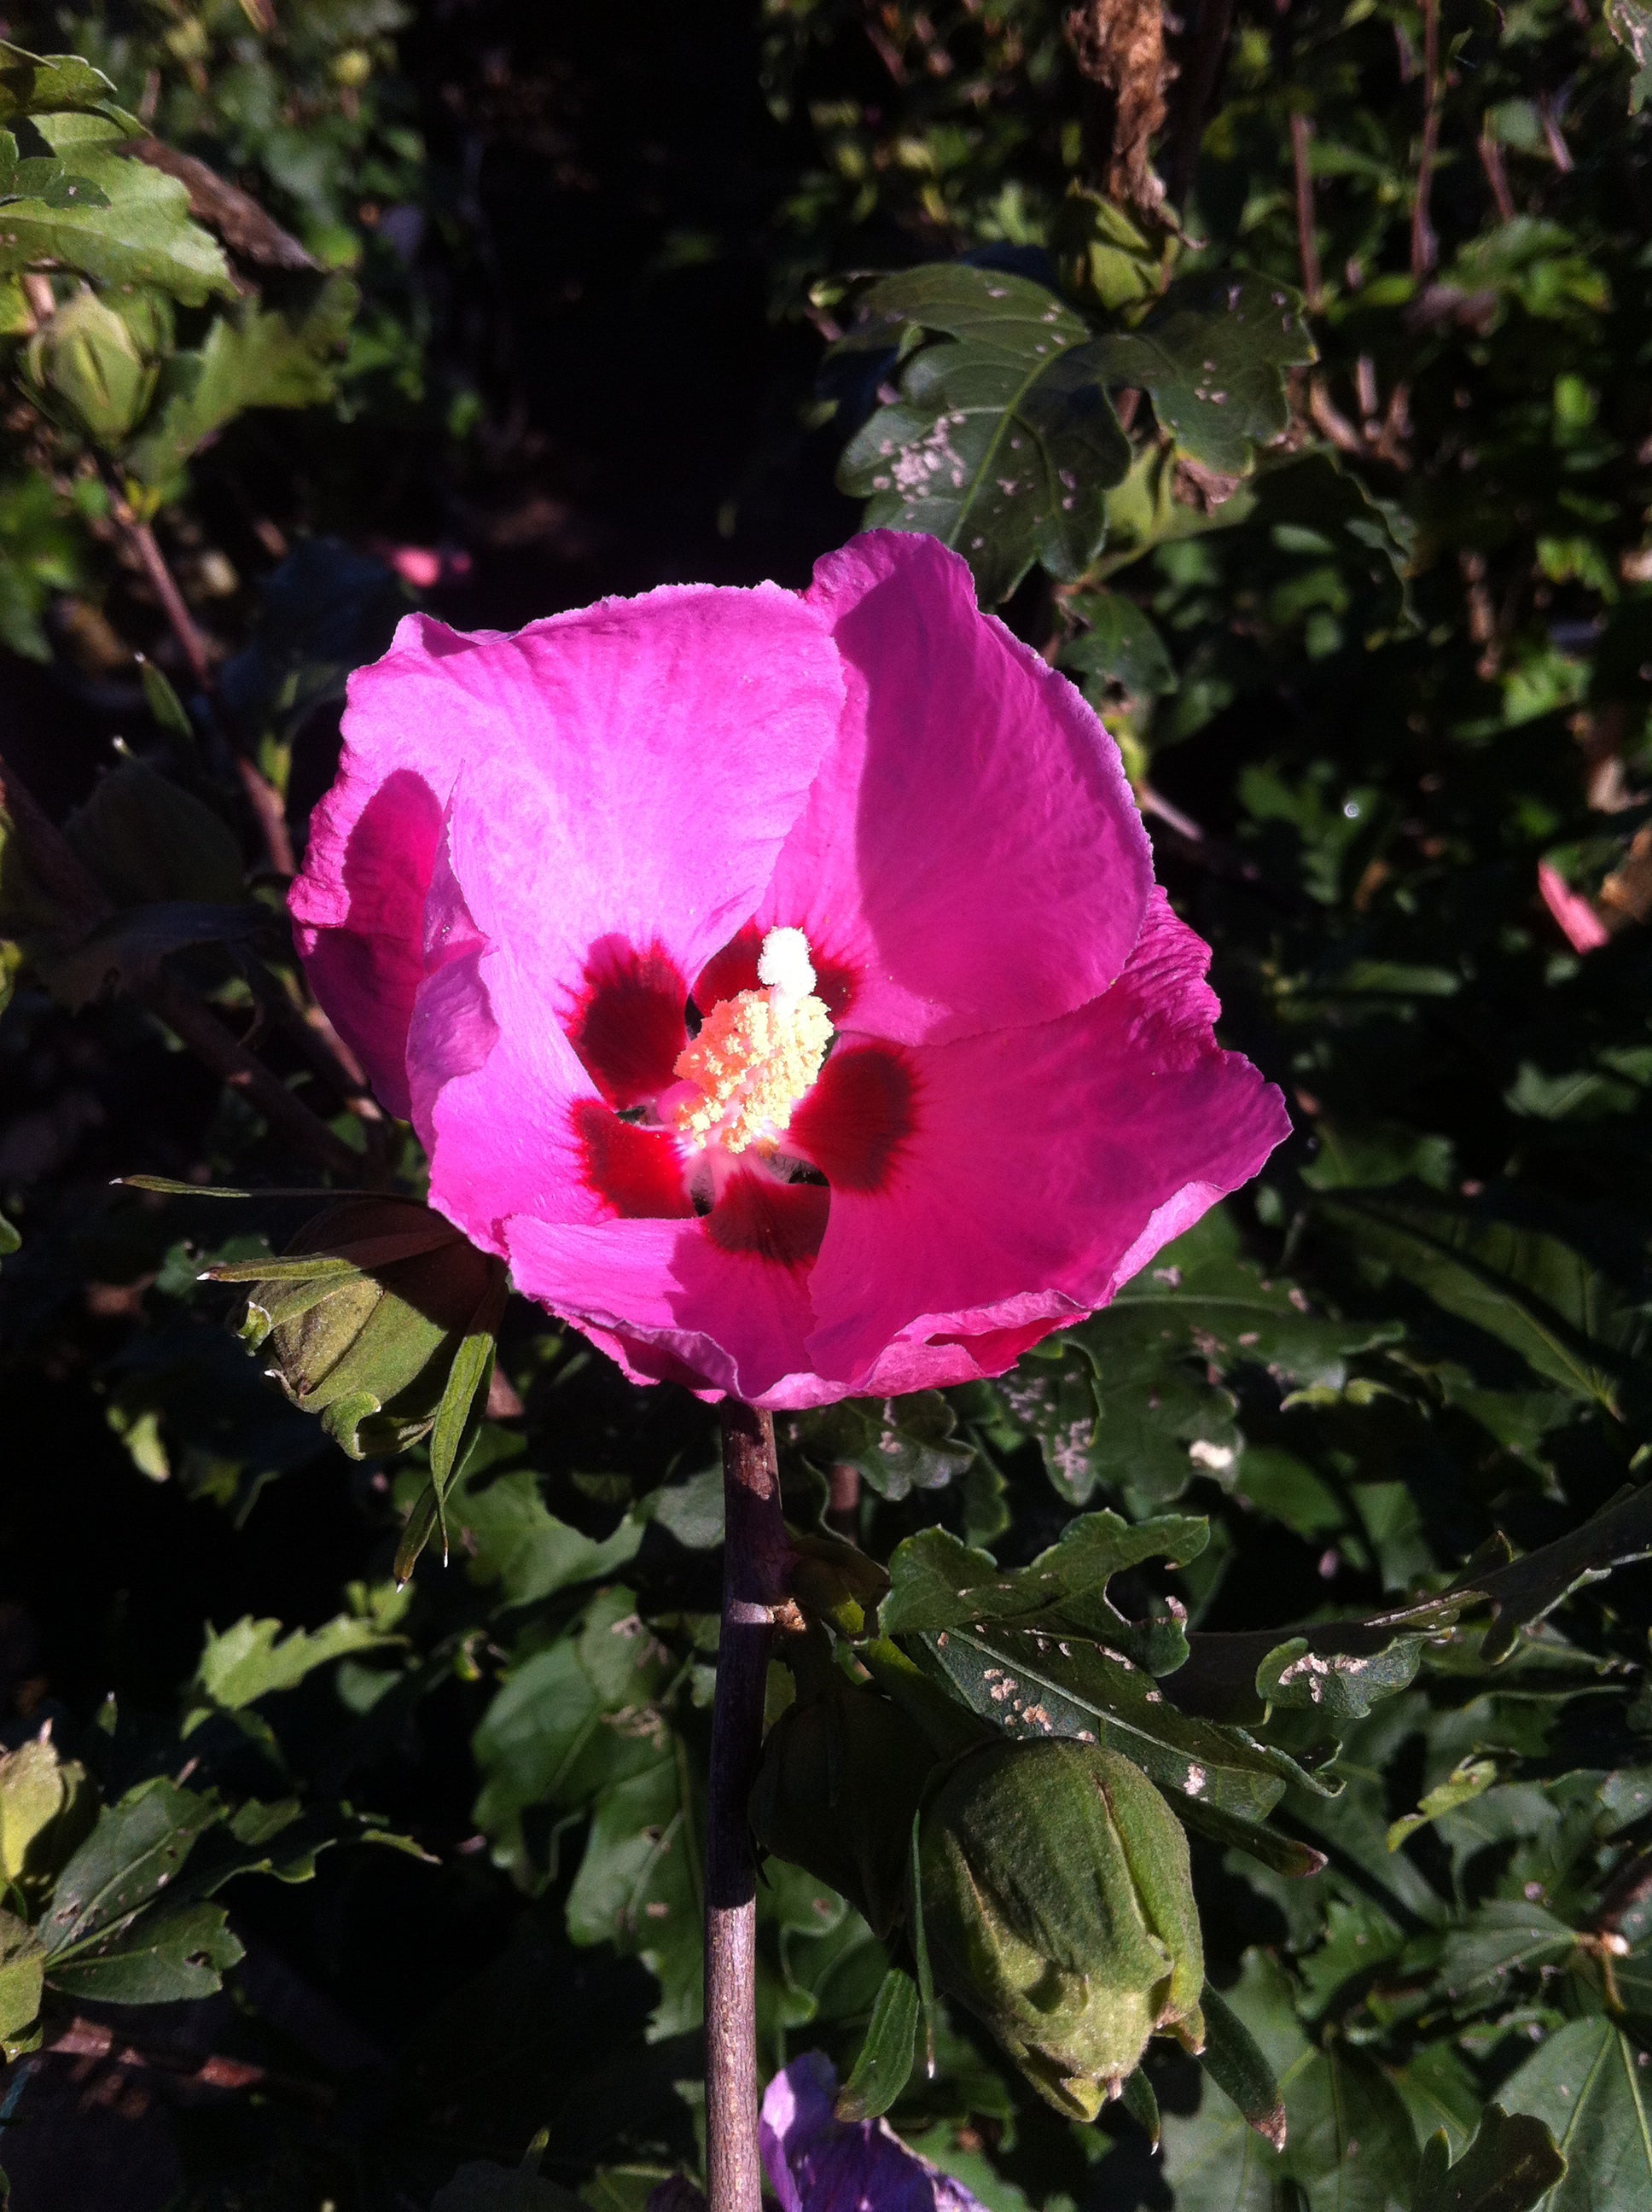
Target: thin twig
{"x": 755, "y": 1560}
{"x": 261, "y": 794}
{"x": 92, "y": 2038}
{"x": 1425, "y": 245}
{"x": 1302, "y": 133}
{"x": 1497, "y": 176}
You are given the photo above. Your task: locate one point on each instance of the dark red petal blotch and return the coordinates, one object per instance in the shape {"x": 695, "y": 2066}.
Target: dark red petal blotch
{"x": 635, "y": 1171}
{"x": 734, "y": 970}
{"x": 853, "y": 1123}
{"x": 629, "y": 1023}
{"x": 779, "y": 1221}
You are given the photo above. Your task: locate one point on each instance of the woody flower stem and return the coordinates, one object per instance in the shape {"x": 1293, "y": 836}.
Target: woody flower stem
{"x": 755, "y": 1559}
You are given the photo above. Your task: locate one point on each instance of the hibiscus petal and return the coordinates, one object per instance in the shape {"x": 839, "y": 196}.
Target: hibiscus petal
{"x": 1042, "y": 1167}
{"x": 670, "y": 1301}
{"x": 629, "y": 772}
{"x": 818, "y": 2163}
{"x": 970, "y": 850}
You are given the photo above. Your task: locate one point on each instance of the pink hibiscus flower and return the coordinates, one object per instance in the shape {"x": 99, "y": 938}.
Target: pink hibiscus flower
{"x": 778, "y": 981}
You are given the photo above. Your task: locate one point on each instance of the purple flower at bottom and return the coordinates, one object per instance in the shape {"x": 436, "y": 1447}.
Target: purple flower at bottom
{"x": 817, "y": 2163}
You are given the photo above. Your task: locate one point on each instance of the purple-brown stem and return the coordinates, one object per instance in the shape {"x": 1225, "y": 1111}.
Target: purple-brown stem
{"x": 261, "y": 794}
{"x": 1302, "y": 132}
{"x": 1425, "y": 245}
{"x": 755, "y": 1560}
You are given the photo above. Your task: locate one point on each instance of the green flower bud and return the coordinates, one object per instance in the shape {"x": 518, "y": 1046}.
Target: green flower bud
{"x": 1057, "y": 1905}
{"x": 367, "y": 1336}
{"x": 85, "y": 368}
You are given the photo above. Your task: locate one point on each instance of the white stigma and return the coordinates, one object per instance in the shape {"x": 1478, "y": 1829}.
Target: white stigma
{"x": 784, "y": 965}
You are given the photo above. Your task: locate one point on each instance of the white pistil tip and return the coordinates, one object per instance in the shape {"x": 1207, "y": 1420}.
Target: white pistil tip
{"x": 784, "y": 964}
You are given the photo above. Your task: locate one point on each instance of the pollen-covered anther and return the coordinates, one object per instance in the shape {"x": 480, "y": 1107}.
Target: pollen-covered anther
{"x": 756, "y": 1056}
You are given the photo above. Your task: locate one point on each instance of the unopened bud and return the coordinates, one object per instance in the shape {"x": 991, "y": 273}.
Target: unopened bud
{"x": 1057, "y": 1905}
{"x": 85, "y": 369}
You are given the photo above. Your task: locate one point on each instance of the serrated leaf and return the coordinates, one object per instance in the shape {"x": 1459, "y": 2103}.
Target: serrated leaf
{"x": 1216, "y": 371}
{"x": 23, "y": 1975}
{"x": 567, "y": 1721}
{"x": 1508, "y": 2166}
{"x": 638, "y": 1887}
{"x": 1118, "y": 645}
{"x": 1527, "y": 1589}
{"x": 141, "y": 233}
{"x": 1587, "y": 2083}
{"x": 1529, "y": 1289}
{"x": 135, "y": 1850}
{"x": 34, "y": 84}
{"x": 1503, "y": 1936}
{"x": 1004, "y": 440}
{"x": 255, "y": 358}
{"x": 158, "y": 1958}
{"x": 1465, "y": 1782}
{"x": 515, "y": 1543}
{"x": 253, "y": 1659}
{"x": 1030, "y": 1688}
{"x": 1630, "y": 24}
{"x": 898, "y": 1444}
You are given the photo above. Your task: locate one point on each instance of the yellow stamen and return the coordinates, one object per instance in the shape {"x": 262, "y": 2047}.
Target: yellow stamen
{"x": 755, "y": 1057}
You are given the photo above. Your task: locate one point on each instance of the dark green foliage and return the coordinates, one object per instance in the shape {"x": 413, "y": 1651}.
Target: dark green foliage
{"x": 1334, "y": 1524}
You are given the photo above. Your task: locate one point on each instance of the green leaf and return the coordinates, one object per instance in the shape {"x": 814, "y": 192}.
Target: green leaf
{"x": 22, "y": 1974}
{"x": 135, "y": 1850}
{"x": 1351, "y": 2147}
{"x": 1529, "y": 1290}
{"x": 253, "y": 1660}
{"x": 1630, "y": 24}
{"x": 1465, "y": 1782}
{"x": 158, "y": 1958}
{"x": 1233, "y": 2059}
{"x": 1133, "y": 1402}
{"x": 937, "y": 1583}
{"x": 1510, "y": 2164}
{"x": 1528, "y": 1588}
{"x": 255, "y": 358}
{"x": 484, "y": 2187}
{"x": 1589, "y": 2087}
{"x": 884, "y": 2064}
{"x": 1216, "y": 371}
{"x": 516, "y": 1544}
{"x": 638, "y": 1887}
{"x": 143, "y": 233}
{"x": 1503, "y": 1936}
{"x": 164, "y": 702}
{"x": 1118, "y": 645}
{"x": 898, "y": 1444}
{"x": 567, "y": 1721}
{"x": 32, "y": 84}
{"x": 1003, "y": 441}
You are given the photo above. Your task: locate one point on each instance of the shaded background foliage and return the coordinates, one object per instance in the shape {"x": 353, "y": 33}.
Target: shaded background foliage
{"x": 1380, "y": 659}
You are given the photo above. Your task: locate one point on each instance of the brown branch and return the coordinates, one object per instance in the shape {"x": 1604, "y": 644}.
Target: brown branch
{"x": 756, "y": 1557}
{"x": 1497, "y": 176}
{"x": 1425, "y": 245}
{"x": 1302, "y": 133}
{"x": 92, "y": 2038}
{"x": 261, "y": 794}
